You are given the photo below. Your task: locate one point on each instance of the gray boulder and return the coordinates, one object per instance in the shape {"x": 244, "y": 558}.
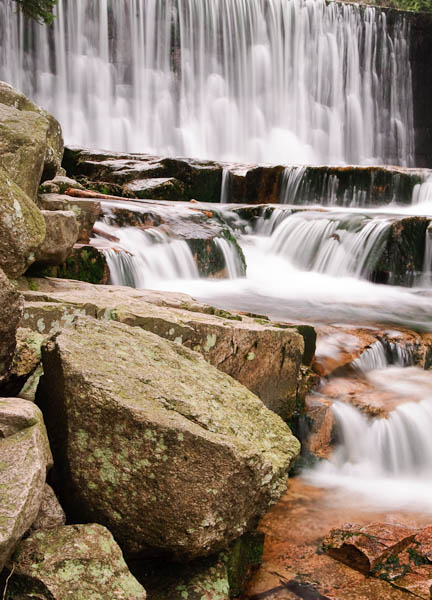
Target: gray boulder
{"x": 24, "y": 459}
{"x": 173, "y": 456}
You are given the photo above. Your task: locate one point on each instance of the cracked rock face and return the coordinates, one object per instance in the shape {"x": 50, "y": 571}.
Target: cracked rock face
{"x": 174, "y": 457}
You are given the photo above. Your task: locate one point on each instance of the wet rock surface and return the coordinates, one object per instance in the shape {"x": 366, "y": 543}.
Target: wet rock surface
{"x": 294, "y": 565}
{"x": 172, "y": 439}
{"x": 146, "y": 176}
{"x": 75, "y": 561}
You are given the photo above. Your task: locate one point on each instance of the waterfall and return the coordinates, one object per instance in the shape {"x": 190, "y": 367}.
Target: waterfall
{"x": 334, "y": 244}
{"x": 231, "y": 257}
{"x": 224, "y": 195}
{"x": 387, "y": 460}
{"x": 291, "y": 185}
{"x": 148, "y": 258}
{"x": 381, "y": 354}
{"x": 285, "y": 81}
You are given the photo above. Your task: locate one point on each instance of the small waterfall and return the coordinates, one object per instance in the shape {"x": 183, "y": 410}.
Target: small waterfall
{"x": 298, "y": 81}
{"x": 335, "y": 245}
{"x": 381, "y": 354}
{"x": 387, "y": 460}
{"x": 291, "y": 185}
{"x": 422, "y": 193}
{"x": 224, "y": 195}
{"x": 427, "y": 263}
{"x": 149, "y": 258}
{"x": 231, "y": 257}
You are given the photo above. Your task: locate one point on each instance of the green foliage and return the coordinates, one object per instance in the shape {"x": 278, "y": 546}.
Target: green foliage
{"x": 415, "y": 5}
{"x": 38, "y": 10}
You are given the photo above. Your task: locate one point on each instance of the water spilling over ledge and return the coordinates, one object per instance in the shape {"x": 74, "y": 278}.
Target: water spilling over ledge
{"x": 258, "y": 80}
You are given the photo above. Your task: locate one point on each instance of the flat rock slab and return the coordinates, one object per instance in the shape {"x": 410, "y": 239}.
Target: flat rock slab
{"x": 264, "y": 357}
{"x": 24, "y": 459}
{"x": 75, "y": 561}
{"x": 174, "y": 457}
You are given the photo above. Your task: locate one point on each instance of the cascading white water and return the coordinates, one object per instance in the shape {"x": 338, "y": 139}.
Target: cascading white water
{"x": 336, "y": 245}
{"x": 148, "y": 258}
{"x": 224, "y": 195}
{"x": 382, "y": 354}
{"x": 387, "y": 460}
{"x": 290, "y": 184}
{"x": 290, "y": 81}
{"x": 231, "y": 257}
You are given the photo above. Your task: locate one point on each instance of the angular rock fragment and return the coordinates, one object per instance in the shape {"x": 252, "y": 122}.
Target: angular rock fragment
{"x": 61, "y": 234}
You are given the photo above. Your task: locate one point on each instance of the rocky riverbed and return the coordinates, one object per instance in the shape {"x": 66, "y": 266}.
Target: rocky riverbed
{"x": 144, "y": 434}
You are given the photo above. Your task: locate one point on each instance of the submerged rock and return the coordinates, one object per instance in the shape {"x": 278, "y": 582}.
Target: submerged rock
{"x": 24, "y": 459}
{"x": 22, "y": 228}
{"x": 176, "y": 458}
{"x": 11, "y": 308}
{"x": 76, "y": 562}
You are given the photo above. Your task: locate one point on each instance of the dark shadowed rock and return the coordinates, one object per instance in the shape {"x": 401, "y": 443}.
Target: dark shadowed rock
{"x": 175, "y": 457}
{"x": 50, "y": 513}
{"x": 11, "y": 308}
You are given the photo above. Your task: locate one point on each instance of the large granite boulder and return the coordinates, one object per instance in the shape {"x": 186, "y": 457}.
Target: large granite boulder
{"x": 79, "y": 562}
{"x": 24, "y": 459}
{"x": 31, "y": 143}
{"x": 264, "y": 357}
{"x": 22, "y": 227}
{"x": 62, "y": 232}
{"x": 11, "y": 307}
{"x": 176, "y": 458}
